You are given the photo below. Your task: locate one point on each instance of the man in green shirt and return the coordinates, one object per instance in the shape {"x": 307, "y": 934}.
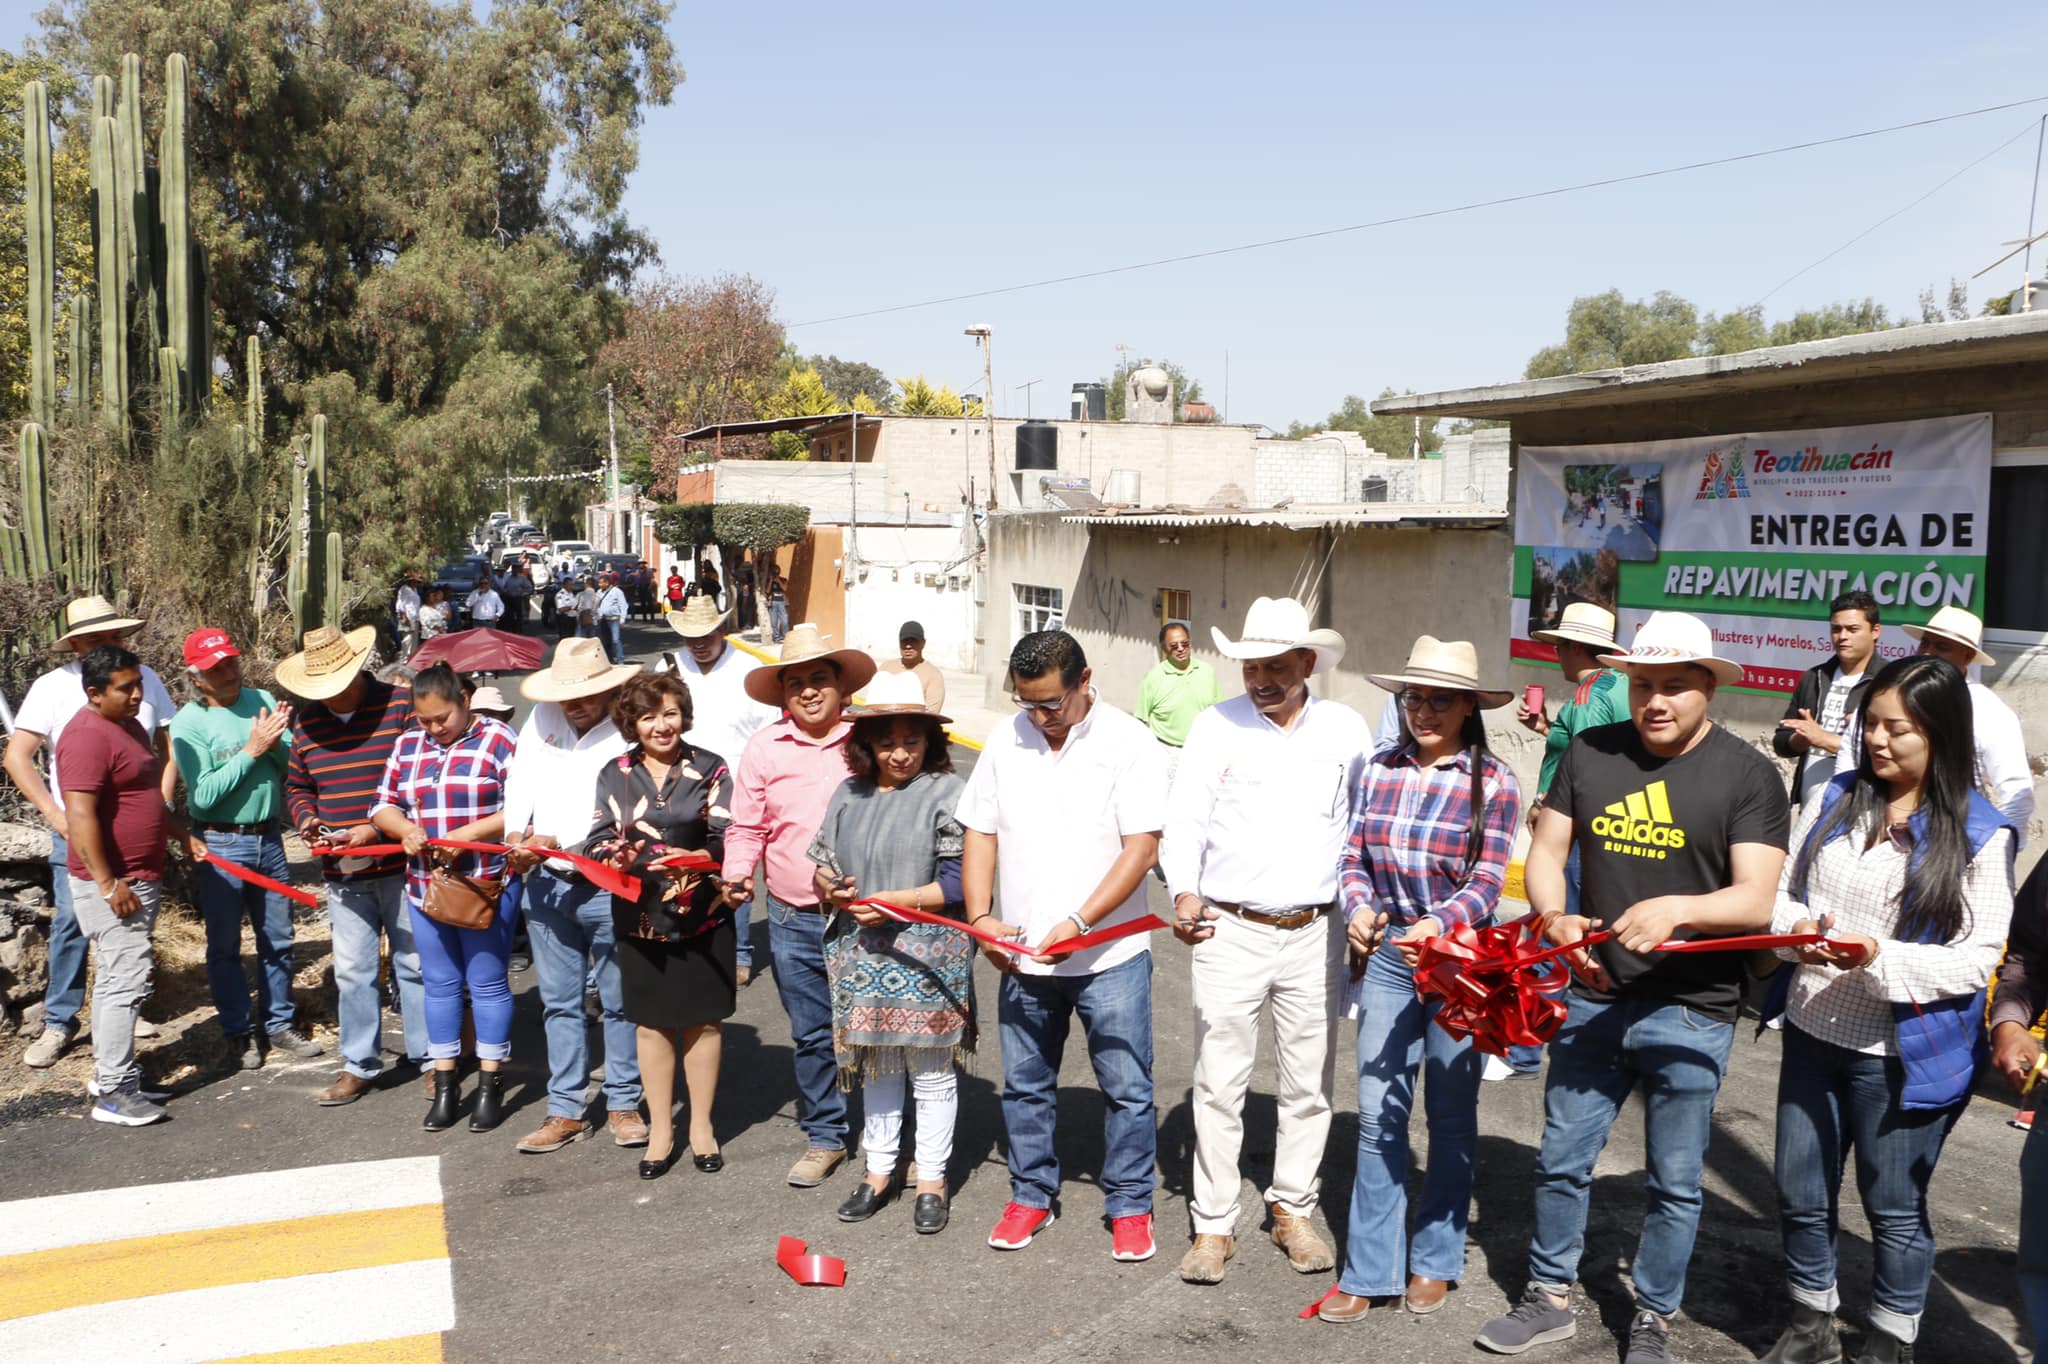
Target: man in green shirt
{"x": 230, "y": 746}
{"x": 1178, "y": 688}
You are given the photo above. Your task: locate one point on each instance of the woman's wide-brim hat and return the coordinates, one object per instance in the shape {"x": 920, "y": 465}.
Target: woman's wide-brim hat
{"x": 92, "y": 616}
{"x": 699, "y": 617}
{"x": 578, "y": 669}
{"x": 328, "y": 663}
{"x": 1451, "y": 664}
{"x": 806, "y": 643}
{"x": 1583, "y": 622}
{"x": 1676, "y": 637}
{"x": 1955, "y": 624}
{"x": 1277, "y": 625}
{"x": 895, "y": 694}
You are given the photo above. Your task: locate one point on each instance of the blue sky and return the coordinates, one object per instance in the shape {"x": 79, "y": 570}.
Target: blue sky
{"x": 862, "y": 157}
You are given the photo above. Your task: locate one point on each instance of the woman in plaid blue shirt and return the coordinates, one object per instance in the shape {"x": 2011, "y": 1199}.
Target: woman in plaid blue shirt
{"x": 446, "y": 779}
{"x": 1432, "y": 823}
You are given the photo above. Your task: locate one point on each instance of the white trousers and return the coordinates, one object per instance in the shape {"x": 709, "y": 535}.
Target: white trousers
{"x": 937, "y": 1088}
{"x": 1240, "y": 971}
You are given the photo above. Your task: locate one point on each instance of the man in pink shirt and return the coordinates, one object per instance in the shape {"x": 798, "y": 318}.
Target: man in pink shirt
{"x": 786, "y": 779}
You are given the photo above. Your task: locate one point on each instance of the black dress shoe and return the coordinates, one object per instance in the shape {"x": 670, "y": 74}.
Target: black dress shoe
{"x": 710, "y": 1164}
{"x": 864, "y": 1202}
{"x": 490, "y": 1102}
{"x": 447, "y": 1089}
{"x": 928, "y": 1217}
{"x": 655, "y": 1169}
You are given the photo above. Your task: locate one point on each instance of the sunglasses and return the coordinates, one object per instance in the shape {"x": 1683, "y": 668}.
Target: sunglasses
{"x": 1043, "y": 707}
{"x": 1435, "y": 705}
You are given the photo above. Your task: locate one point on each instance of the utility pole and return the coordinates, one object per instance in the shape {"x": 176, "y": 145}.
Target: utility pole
{"x": 981, "y": 331}
{"x": 1027, "y": 397}
{"x": 611, "y": 420}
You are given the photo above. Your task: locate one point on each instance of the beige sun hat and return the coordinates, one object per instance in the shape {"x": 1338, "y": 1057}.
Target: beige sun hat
{"x": 491, "y": 701}
{"x": 91, "y": 615}
{"x": 1275, "y": 625}
{"x": 1452, "y": 664}
{"x": 327, "y": 664}
{"x": 803, "y": 644}
{"x": 1583, "y": 622}
{"x": 895, "y": 694}
{"x": 1954, "y": 623}
{"x": 1676, "y": 637}
{"x": 578, "y": 669}
{"x": 699, "y": 617}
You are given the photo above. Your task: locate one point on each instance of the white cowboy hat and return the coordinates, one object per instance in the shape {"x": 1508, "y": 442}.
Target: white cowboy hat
{"x": 1275, "y": 625}
{"x": 1676, "y": 637}
{"x": 895, "y": 694}
{"x": 579, "y": 668}
{"x": 699, "y": 617}
{"x": 490, "y": 701}
{"x": 1954, "y": 623}
{"x": 803, "y": 644}
{"x": 1452, "y": 664}
{"x": 1583, "y": 622}
{"x": 327, "y": 664}
{"x": 91, "y": 615}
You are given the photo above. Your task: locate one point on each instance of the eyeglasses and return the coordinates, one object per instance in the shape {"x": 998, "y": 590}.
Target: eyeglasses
{"x": 1436, "y": 705}
{"x": 1043, "y": 707}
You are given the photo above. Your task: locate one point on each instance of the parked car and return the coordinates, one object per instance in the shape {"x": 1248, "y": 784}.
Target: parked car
{"x": 572, "y": 549}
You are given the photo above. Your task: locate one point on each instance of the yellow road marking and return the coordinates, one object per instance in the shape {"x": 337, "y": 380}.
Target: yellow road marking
{"x": 109, "y": 1271}
{"x": 402, "y": 1350}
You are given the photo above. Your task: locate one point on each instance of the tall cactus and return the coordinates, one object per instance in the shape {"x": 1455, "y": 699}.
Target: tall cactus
{"x": 330, "y": 609}
{"x": 42, "y": 255}
{"x": 35, "y": 502}
{"x": 112, "y": 279}
{"x": 181, "y": 330}
{"x": 78, "y": 382}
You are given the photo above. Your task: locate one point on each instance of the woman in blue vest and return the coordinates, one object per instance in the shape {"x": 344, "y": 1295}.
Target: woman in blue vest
{"x": 1909, "y": 871}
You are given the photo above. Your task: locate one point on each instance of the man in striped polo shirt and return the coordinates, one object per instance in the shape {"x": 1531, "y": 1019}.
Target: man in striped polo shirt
{"x": 341, "y": 738}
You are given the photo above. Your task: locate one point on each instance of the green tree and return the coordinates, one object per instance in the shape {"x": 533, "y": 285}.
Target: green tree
{"x": 1391, "y": 435}
{"x": 1186, "y": 388}
{"x": 848, "y": 381}
{"x": 1607, "y": 331}
{"x": 916, "y": 397}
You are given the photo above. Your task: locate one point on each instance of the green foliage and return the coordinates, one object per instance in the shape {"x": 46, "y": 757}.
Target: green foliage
{"x": 802, "y": 393}
{"x": 70, "y": 248}
{"x": 756, "y": 526}
{"x": 916, "y": 397}
{"x": 683, "y": 523}
{"x": 1186, "y": 389}
{"x": 849, "y": 381}
{"x": 1390, "y": 435}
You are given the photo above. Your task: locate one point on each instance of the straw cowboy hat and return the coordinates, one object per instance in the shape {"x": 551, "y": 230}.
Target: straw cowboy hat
{"x": 1585, "y": 623}
{"x": 578, "y": 669}
{"x": 699, "y": 617}
{"x": 803, "y": 644}
{"x": 90, "y": 616}
{"x": 1452, "y": 664}
{"x": 895, "y": 694}
{"x": 327, "y": 664}
{"x": 1676, "y": 637}
{"x": 1954, "y": 623}
{"x": 1273, "y": 626}
{"x": 491, "y": 701}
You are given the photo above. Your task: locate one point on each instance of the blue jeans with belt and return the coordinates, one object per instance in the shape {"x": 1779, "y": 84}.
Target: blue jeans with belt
{"x": 569, "y": 926}
{"x": 65, "y": 994}
{"x": 796, "y": 945}
{"x": 224, "y": 903}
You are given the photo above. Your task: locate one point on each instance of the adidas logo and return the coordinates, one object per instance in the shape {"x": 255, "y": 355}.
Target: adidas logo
{"x": 1639, "y": 824}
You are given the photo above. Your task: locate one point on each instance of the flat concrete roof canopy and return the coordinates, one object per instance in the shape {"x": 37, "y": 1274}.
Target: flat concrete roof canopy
{"x": 1978, "y": 342}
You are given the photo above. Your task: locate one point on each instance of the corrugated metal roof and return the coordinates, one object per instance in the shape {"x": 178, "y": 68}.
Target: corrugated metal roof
{"x": 1324, "y": 516}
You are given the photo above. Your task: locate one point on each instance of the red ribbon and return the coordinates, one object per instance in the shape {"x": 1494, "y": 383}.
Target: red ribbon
{"x": 1502, "y": 988}
{"x": 257, "y": 878}
{"x": 1146, "y": 923}
{"x": 602, "y": 874}
{"x": 1308, "y": 1313}
{"x": 810, "y": 1270}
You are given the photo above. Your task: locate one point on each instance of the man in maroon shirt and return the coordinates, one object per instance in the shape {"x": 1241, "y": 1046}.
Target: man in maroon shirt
{"x": 115, "y": 810}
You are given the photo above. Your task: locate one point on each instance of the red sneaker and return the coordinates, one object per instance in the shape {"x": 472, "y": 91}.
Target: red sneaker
{"x": 1131, "y": 1238}
{"x": 1018, "y": 1226}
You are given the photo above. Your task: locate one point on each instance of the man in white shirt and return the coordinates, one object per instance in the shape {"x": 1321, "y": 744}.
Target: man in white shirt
{"x": 725, "y": 716}
{"x": 484, "y": 605}
{"x": 566, "y": 740}
{"x": 611, "y": 618}
{"x": 55, "y": 697}
{"x": 2003, "y": 772}
{"x": 1254, "y": 827}
{"x": 407, "y": 609}
{"x": 1066, "y": 804}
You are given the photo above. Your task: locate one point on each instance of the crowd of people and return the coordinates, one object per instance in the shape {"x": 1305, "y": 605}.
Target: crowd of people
{"x": 1310, "y": 857}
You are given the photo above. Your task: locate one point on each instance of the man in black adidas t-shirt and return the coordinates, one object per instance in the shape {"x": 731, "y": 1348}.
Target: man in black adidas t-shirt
{"x": 1681, "y": 830}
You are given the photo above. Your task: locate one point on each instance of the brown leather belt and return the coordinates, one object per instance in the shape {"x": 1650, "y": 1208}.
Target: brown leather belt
{"x": 1297, "y": 918}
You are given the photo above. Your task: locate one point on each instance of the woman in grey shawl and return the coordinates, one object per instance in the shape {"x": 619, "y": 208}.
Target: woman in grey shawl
{"x": 902, "y": 993}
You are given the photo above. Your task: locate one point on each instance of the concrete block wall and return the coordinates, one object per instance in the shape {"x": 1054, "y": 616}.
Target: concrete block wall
{"x": 1304, "y": 470}
{"x": 831, "y": 491}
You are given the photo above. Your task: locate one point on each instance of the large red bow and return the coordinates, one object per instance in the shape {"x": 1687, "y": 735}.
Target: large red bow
{"x": 1499, "y": 985}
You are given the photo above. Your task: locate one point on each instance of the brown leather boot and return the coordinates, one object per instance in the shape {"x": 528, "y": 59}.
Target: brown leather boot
{"x": 1307, "y": 1252}
{"x": 552, "y": 1135}
{"x": 346, "y": 1089}
{"x": 1204, "y": 1261}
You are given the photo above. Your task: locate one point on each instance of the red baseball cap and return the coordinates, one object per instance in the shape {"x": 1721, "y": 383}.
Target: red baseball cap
{"x": 207, "y": 646}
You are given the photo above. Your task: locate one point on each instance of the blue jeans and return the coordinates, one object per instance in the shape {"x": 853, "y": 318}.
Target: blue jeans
{"x": 1397, "y": 1037}
{"x": 569, "y": 925}
{"x": 796, "y": 944}
{"x": 224, "y": 903}
{"x": 454, "y": 958}
{"x": 1829, "y": 1099}
{"x": 612, "y": 633}
{"x": 65, "y": 994}
{"x": 2033, "y": 1259}
{"x": 361, "y": 914}
{"x": 1034, "y": 1014}
{"x": 778, "y": 619}
{"x": 1678, "y": 1056}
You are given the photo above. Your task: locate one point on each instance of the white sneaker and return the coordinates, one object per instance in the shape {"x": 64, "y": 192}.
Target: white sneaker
{"x": 44, "y": 1051}
{"x": 1496, "y": 1068}
{"x": 1775, "y": 1025}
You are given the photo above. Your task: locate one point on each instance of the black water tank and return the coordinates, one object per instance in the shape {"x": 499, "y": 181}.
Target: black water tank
{"x": 1091, "y": 403}
{"x": 1038, "y": 445}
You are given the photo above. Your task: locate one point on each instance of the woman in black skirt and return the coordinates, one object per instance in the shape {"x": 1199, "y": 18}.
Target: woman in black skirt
{"x": 666, "y": 798}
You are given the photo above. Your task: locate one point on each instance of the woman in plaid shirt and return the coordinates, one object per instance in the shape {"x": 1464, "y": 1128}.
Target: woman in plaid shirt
{"x": 1432, "y": 823}
{"x": 446, "y": 779}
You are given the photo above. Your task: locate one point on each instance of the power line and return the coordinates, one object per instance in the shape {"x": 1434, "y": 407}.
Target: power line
{"x": 1429, "y": 213}
{"x": 1897, "y": 212}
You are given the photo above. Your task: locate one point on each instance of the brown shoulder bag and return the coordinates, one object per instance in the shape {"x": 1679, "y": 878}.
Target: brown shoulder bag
{"x": 461, "y": 901}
